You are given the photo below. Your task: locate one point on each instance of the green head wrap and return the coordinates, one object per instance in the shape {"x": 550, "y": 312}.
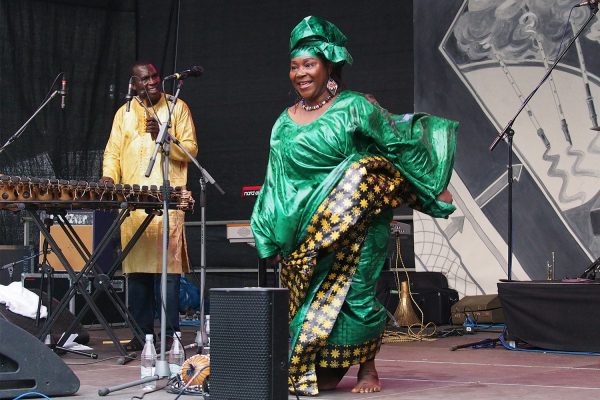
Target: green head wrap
{"x": 314, "y": 36}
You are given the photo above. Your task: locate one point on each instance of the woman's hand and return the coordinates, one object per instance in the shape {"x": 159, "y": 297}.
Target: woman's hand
{"x": 445, "y": 196}
{"x": 273, "y": 260}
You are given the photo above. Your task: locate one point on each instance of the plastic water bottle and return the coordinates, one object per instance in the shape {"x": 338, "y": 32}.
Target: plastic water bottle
{"x": 176, "y": 356}
{"x": 207, "y": 327}
{"x": 148, "y": 362}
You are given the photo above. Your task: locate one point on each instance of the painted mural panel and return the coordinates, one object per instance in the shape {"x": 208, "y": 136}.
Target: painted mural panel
{"x": 500, "y": 50}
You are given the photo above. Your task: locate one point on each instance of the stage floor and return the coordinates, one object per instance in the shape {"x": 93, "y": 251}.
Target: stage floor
{"x": 408, "y": 370}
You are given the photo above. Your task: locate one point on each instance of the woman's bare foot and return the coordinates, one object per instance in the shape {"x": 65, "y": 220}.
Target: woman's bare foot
{"x": 328, "y": 378}
{"x": 367, "y": 379}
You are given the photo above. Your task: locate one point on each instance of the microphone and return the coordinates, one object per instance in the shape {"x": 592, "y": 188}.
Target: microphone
{"x": 193, "y": 71}
{"x": 129, "y": 95}
{"x": 590, "y": 3}
{"x": 63, "y": 93}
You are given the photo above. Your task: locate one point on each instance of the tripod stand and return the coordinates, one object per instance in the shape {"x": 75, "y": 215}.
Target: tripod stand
{"x": 163, "y": 141}
{"x": 201, "y": 335}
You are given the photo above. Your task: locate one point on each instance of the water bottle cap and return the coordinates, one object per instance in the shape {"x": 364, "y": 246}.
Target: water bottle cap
{"x": 149, "y": 337}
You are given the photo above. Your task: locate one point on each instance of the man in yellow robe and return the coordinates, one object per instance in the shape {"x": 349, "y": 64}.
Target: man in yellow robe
{"x": 126, "y": 158}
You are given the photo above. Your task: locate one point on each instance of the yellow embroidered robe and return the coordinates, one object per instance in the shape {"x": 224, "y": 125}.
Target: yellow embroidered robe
{"x": 126, "y": 159}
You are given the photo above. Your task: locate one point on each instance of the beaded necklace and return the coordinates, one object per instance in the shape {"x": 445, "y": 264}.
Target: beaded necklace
{"x": 316, "y": 106}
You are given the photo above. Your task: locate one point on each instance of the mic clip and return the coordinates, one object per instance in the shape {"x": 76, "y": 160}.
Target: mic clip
{"x": 129, "y": 95}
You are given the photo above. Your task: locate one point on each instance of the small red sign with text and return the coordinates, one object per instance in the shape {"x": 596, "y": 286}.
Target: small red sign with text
{"x": 250, "y": 191}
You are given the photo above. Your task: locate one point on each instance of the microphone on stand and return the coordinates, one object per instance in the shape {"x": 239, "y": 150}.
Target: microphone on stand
{"x": 129, "y": 95}
{"x": 193, "y": 71}
{"x": 63, "y": 93}
{"x": 591, "y": 3}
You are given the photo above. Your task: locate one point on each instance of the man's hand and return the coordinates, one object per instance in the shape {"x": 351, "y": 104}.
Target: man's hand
{"x": 445, "y": 196}
{"x": 152, "y": 127}
{"x": 106, "y": 179}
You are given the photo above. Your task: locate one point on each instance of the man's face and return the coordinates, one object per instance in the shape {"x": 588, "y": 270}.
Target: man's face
{"x": 147, "y": 82}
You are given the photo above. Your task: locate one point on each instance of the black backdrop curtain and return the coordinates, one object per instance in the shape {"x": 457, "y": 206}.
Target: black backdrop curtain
{"x": 93, "y": 43}
{"x": 243, "y": 47}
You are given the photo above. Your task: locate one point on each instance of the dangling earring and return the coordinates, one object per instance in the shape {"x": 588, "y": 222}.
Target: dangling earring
{"x": 332, "y": 87}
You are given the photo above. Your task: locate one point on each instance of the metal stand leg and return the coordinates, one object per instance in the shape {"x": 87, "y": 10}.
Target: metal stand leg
{"x": 262, "y": 272}
{"x": 477, "y": 345}
{"x": 79, "y": 280}
{"x": 103, "y": 281}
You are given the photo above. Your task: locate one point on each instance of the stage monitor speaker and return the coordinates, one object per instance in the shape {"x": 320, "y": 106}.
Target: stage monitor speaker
{"x": 249, "y": 344}
{"x": 483, "y": 309}
{"x": 90, "y": 226}
{"x": 27, "y": 365}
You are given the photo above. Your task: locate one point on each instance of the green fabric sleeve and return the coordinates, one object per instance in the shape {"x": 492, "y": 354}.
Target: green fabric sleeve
{"x": 421, "y": 146}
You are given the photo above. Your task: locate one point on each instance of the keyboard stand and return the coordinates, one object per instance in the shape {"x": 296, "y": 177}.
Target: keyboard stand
{"x": 79, "y": 280}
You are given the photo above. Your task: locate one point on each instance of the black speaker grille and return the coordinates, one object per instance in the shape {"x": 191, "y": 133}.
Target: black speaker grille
{"x": 248, "y": 344}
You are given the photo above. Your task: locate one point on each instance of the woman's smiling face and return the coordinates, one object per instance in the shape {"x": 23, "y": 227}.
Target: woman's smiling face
{"x": 309, "y": 77}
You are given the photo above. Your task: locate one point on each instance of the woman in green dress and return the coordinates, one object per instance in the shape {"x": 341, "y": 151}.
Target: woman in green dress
{"x": 338, "y": 164}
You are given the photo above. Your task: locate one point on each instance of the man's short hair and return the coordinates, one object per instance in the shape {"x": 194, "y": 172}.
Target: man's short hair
{"x": 140, "y": 63}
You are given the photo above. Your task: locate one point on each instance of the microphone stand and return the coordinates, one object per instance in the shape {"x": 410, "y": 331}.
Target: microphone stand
{"x": 162, "y": 366}
{"x": 23, "y": 260}
{"x": 161, "y": 370}
{"x": 19, "y": 131}
{"x": 508, "y": 132}
{"x": 201, "y": 335}
{"x": 164, "y": 136}
{"x": 163, "y": 140}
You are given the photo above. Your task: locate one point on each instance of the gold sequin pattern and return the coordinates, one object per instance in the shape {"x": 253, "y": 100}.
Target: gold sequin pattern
{"x": 343, "y": 356}
{"x": 339, "y": 225}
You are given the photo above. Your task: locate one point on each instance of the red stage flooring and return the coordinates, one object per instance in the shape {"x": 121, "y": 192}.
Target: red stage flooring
{"x": 408, "y": 370}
